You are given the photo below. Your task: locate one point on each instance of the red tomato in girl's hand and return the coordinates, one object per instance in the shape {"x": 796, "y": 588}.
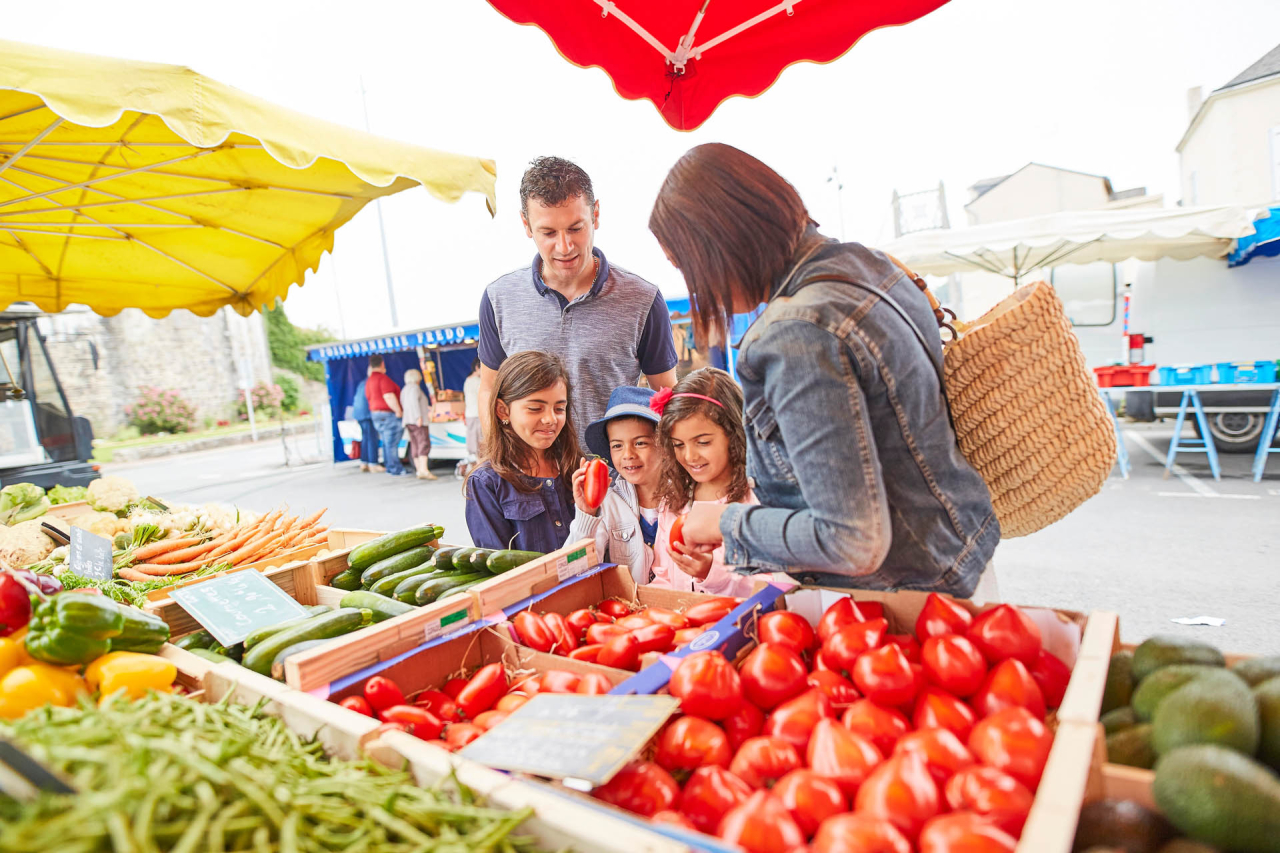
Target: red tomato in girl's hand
{"x": 843, "y": 648}
{"x": 594, "y": 684}
{"x": 859, "y": 833}
{"x": 566, "y": 637}
{"x": 1007, "y": 685}
{"x": 589, "y": 653}
{"x": 794, "y": 719}
{"x": 1053, "y": 676}
{"x": 884, "y": 676}
{"x": 953, "y": 663}
{"x": 690, "y": 743}
{"x": 358, "y": 704}
{"x": 743, "y": 724}
{"x": 992, "y": 793}
{"x": 839, "y": 614}
{"x": 787, "y": 629}
{"x": 614, "y": 608}
{"x": 907, "y": 642}
{"x": 559, "y": 681}
{"x": 595, "y": 485}
{"x": 1005, "y": 632}
{"x": 762, "y": 824}
{"x": 438, "y": 703}
{"x": 676, "y": 536}
{"x": 761, "y": 761}
{"x": 579, "y": 621}
{"x": 937, "y": 709}
{"x": 382, "y": 693}
{"x": 483, "y": 691}
{"x": 1015, "y": 741}
{"x": 533, "y": 631}
{"x": 710, "y": 792}
{"x": 941, "y": 615}
{"x": 965, "y": 832}
{"x": 881, "y": 726}
{"x": 810, "y": 798}
{"x": 902, "y": 792}
{"x": 771, "y": 675}
{"x": 707, "y": 686}
{"x": 944, "y": 754}
{"x": 641, "y": 787}
{"x": 839, "y": 689}
{"x": 845, "y": 758}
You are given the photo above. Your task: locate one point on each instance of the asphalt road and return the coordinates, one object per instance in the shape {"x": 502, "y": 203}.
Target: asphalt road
{"x": 1150, "y": 548}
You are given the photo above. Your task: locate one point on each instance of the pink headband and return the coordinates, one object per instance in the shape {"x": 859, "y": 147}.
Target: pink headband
{"x": 660, "y": 400}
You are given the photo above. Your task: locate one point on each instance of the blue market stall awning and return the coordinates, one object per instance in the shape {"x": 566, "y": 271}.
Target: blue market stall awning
{"x": 436, "y": 336}
{"x": 1263, "y": 242}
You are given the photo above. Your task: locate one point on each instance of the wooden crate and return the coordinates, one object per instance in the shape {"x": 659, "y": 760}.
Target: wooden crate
{"x": 289, "y": 559}
{"x": 70, "y": 510}
{"x": 1051, "y": 826}
{"x": 296, "y": 580}
{"x": 558, "y": 823}
{"x": 341, "y": 541}
{"x": 535, "y": 576}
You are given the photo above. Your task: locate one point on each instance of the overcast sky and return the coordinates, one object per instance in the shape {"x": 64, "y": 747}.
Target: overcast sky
{"x": 978, "y": 88}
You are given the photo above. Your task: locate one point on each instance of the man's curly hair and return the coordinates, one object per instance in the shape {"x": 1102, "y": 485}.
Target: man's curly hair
{"x": 553, "y": 181}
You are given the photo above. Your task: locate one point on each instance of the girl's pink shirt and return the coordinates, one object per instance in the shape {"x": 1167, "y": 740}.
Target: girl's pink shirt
{"x": 720, "y": 580}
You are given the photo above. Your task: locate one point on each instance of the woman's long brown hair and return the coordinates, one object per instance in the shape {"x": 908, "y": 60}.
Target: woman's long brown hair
{"x": 732, "y": 225}
{"x": 522, "y": 375}
{"x": 675, "y": 488}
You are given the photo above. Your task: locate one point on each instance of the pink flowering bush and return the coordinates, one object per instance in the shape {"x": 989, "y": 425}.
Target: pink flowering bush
{"x": 161, "y": 410}
{"x": 267, "y": 399}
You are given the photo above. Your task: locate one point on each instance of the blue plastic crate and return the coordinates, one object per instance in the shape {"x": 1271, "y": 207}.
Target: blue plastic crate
{"x": 1198, "y": 374}
{"x": 1246, "y": 372}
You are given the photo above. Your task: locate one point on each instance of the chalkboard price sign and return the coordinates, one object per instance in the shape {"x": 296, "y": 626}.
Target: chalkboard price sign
{"x": 233, "y": 606}
{"x": 90, "y": 556}
{"x": 567, "y": 736}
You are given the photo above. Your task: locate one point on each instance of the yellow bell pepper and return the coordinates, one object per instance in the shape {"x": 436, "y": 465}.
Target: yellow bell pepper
{"x": 25, "y": 688}
{"x": 133, "y": 672}
{"x": 11, "y": 654}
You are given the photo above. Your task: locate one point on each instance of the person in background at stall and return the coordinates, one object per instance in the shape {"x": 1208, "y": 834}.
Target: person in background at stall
{"x": 626, "y": 524}
{"x": 368, "y": 435}
{"x": 521, "y": 495}
{"x": 608, "y": 325}
{"x": 416, "y": 410}
{"x": 471, "y": 417}
{"x": 704, "y": 462}
{"x": 383, "y": 395}
{"x": 860, "y": 480}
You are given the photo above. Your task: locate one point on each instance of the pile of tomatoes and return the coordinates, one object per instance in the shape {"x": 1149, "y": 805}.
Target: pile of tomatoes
{"x": 614, "y": 634}
{"x": 464, "y": 708}
{"x": 847, "y": 738}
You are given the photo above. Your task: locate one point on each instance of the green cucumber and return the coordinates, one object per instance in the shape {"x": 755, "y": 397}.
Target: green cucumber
{"x": 366, "y": 554}
{"x": 387, "y": 585}
{"x": 347, "y": 579}
{"x": 434, "y": 589}
{"x": 380, "y": 605}
{"x": 463, "y": 587}
{"x": 210, "y": 655}
{"x": 326, "y": 626}
{"x": 196, "y": 640}
{"x": 461, "y": 558}
{"x": 277, "y": 665}
{"x": 407, "y": 589}
{"x": 235, "y": 651}
{"x": 444, "y": 558}
{"x": 480, "y": 559}
{"x": 262, "y": 633}
{"x": 505, "y": 561}
{"x": 395, "y": 564}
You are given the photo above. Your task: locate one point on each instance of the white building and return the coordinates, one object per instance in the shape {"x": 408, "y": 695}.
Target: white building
{"x": 1037, "y": 189}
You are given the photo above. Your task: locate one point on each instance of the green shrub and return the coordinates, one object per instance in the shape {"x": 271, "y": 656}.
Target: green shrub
{"x": 292, "y": 393}
{"x": 266, "y": 401}
{"x": 289, "y": 342}
{"x": 160, "y": 410}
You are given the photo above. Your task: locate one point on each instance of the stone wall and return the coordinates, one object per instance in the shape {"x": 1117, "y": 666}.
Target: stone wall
{"x": 197, "y": 356}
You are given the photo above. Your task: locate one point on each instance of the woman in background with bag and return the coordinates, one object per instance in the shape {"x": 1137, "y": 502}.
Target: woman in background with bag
{"x": 856, "y": 467}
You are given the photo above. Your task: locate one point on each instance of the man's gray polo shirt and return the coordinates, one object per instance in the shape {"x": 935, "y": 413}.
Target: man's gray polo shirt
{"x": 610, "y": 336}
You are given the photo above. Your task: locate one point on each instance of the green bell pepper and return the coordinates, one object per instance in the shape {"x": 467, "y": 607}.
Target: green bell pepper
{"x": 76, "y": 628}
{"x": 65, "y": 647}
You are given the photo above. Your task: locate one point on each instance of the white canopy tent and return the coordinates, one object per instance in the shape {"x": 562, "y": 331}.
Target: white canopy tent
{"x": 1019, "y": 246}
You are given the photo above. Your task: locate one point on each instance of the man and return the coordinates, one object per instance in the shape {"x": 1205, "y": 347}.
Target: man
{"x": 608, "y": 325}
{"x": 471, "y": 396}
{"x": 383, "y": 395}
{"x": 368, "y": 435}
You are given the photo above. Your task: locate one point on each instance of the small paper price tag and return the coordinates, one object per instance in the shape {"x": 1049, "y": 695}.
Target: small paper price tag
{"x": 440, "y": 627}
{"x": 572, "y": 564}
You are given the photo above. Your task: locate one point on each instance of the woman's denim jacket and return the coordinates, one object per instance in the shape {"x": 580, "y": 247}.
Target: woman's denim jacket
{"x": 855, "y": 462}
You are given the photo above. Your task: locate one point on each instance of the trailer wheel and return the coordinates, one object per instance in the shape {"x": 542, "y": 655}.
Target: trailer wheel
{"x": 1234, "y": 432}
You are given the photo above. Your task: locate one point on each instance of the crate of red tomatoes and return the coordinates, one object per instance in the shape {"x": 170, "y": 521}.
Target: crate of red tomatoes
{"x": 893, "y": 722}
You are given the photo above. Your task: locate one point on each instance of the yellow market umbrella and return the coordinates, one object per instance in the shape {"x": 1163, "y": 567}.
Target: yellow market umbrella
{"x": 136, "y": 185}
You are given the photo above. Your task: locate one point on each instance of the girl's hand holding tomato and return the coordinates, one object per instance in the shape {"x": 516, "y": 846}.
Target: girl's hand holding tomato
{"x": 702, "y": 525}
{"x": 590, "y": 485}
{"x": 692, "y": 563}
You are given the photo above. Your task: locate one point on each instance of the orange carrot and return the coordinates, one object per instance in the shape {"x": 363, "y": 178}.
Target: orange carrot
{"x": 311, "y": 520}
{"x": 132, "y": 575}
{"x": 161, "y": 571}
{"x": 164, "y": 546}
{"x": 240, "y": 538}
{"x": 183, "y": 556}
{"x": 251, "y": 547}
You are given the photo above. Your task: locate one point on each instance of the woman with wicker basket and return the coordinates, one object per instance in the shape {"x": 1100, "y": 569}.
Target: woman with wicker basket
{"x": 856, "y": 466}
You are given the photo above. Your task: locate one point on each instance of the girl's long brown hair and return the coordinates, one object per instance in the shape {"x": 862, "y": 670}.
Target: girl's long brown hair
{"x": 676, "y": 487}
{"x": 732, "y": 225}
{"x": 522, "y": 375}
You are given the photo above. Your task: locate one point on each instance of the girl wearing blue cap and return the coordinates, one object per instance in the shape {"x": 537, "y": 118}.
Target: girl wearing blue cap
{"x": 624, "y": 526}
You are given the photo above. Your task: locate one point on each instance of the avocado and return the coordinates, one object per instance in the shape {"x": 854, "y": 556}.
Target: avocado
{"x": 1257, "y": 670}
{"x": 1165, "y": 649}
{"x": 1267, "y": 695}
{"x": 1119, "y": 682}
{"x": 1118, "y": 720}
{"x": 1132, "y": 747}
{"x": 1186, "y": 845}
{"x": 1120, "y": 825}
{"x": 1215, "y": 711}
{"x": 1167, "y": 679}
{"x": 1220, "y": 797}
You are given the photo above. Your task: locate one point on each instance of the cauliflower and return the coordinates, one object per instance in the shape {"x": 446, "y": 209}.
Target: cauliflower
{"x": 24, "y": 543}
{"x": 112, "y": 494}
{"x": 101, "y": 523}
{"x": 219, "y": 518}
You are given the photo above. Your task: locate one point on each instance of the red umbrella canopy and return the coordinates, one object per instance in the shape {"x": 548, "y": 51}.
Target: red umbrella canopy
{"x": 688, "y": 56}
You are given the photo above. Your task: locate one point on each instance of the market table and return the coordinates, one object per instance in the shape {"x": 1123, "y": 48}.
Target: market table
{"x": 1204, "y": 444}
